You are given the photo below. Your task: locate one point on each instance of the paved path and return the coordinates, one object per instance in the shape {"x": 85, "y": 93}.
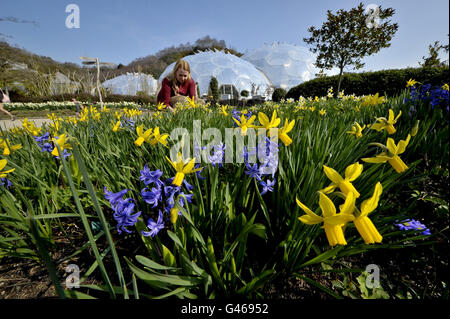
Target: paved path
{"x": 8, "y": 124}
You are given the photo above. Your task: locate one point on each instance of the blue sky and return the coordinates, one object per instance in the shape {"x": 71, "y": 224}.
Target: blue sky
{"x": 120, "y": 31}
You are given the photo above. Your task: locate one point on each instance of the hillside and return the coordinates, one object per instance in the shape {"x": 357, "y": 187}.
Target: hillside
{"x": 22, "y": 69}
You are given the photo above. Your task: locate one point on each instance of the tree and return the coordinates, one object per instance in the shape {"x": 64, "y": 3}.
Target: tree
{"x": 348, "y": 36}
{"x": 214, "y": 89}
{"x": 433, "y": 61}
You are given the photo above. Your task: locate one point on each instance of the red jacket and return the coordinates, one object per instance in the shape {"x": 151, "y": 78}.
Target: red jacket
{"x": 186, "y": 89}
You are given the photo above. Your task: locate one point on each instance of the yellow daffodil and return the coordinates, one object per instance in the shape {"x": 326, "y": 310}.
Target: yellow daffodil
{"x": 116, "y": 127}
{"x": 224, "y": 110}
{"x": 312, "y": 108}
{"x": 143, "y": 136}
{"x": 3, "y": 173}
{"x": 372, "y": 100}
{"x": 182, "y": 169}
{"x": 411, "y": 82}
{"x": 157, "y": 137}
{"x": 174, "y": 214}
{"x": 245, "y": 124}
{"x": 118, "y": 115}
{"x": 445, "y": 87}
{"x": 357, "y": 130}
{"x": 282, "y": 133}
{"x": 105, "y": 109}
{"x": 352, "y": 172}
{"x": 391, "y": 155}
{"x": 161, "y": 106}
{"x": 51, "y": 116}
{"x": 31, "y": 128}
{"x": 363, "y": 224}
{"x": 332, "y": 222}
{"x": 61, "y": 141}
{"x": 265, "y": 123}
{"x": 322, "y": 112}
{"x": 8, "y": 148}
{"x": 386, "y": 124}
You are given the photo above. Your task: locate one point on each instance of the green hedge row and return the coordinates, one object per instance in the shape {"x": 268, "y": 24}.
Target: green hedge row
{"x": 142, "y": 100}
{"x": 385, "y": 82}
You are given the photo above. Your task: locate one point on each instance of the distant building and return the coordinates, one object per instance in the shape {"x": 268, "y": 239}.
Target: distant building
{"x": 233, "y": 74}
{"x": 131, "y": 83}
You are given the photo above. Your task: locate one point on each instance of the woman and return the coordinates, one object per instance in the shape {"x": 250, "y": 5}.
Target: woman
{"x": 177, "y": 86}
{"x": 5, "y": 99}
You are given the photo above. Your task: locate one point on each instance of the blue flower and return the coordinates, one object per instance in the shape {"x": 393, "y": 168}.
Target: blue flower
{"x": 47, "y": 147}
{"x": 148, "y": 176}
{"x": 123, "y": 214}
{"x": 181, "y": 199}
{"x": 411, "y": 224}
{"x": 199, "y": 172}
{"x": 267, "y": 186}
{"x": 152, "y": 197}
{"x": 6, "y": 182}
{"x": 253, "y": 171}
{"x": 65, "y": 154}
{"x": 42, "y": 138}
{"x": 114, "y": 198}
{"x": 217, "y": 157}
{"x": 154, "y": 227}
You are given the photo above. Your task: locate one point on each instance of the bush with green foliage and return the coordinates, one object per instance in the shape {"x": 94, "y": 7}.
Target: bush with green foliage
{"x": 278, "y": 94}
{"x": 244, "y": 93}
{"x": 385, "y": 82}
{"x": 214, "y": 89}
{"x": 141, "y": 99}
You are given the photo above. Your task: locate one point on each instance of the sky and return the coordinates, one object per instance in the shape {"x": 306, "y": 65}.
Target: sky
{"x": 120, "y": 31}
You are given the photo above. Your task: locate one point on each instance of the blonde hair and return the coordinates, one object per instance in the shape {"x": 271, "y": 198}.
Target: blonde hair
{"x": 181, "y": 64}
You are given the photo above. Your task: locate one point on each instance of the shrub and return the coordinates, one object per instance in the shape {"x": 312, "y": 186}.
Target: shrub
{"x": 141, "y": 99}
{"x": 278, "y": 94}
{"x": 385, "y": 82}
{"x": 214, "y": 88}
{"x": 244, "y": 93}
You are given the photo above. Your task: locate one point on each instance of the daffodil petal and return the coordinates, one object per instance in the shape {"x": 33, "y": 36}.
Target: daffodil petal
{"x": 327, "y": 206}
{"x": 370, "y": 204}
{"x": 332, "y": 174}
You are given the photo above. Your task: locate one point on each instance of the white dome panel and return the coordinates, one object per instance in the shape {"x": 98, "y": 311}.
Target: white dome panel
{"x": 228, "y": 69}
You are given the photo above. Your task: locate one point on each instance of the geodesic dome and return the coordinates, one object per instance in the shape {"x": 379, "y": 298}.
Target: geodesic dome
{"x": 286, "y": 65}
{"x": 131, "y": 83}
{"x": 227, "y": 69}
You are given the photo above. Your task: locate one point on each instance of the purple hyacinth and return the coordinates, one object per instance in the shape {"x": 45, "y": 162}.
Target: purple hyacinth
{"x": 6, "y": 182}
{"x": 148, "y": 176}
{"x": 154, "y": 227}
{"x": 123, "y": 214}
{"x": 42, "y": 138}
{"x": 411, "y": 224}
{"x": 46, "y": 147}
{"x": 152, "y": 197}
{"x": 253, "y": 171}
{"x": 114, "y": 198}
{"x": 199, "y": 172}
{"x": 217, "y": 157}
{"x": 267, "y": 186}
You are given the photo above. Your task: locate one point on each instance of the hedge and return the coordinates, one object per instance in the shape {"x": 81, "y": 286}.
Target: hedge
{"x": 141, "y": 100}
{"x": 385, "y": 82}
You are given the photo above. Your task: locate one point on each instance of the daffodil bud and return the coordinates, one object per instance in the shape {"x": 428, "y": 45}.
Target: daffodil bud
{"x": 415, "y": 129}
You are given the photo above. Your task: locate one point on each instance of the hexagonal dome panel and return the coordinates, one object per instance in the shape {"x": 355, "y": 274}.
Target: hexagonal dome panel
{"x": 131, "y": 83}
{"x": 286, "y": 65}
{"x": 227, "y": 69}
